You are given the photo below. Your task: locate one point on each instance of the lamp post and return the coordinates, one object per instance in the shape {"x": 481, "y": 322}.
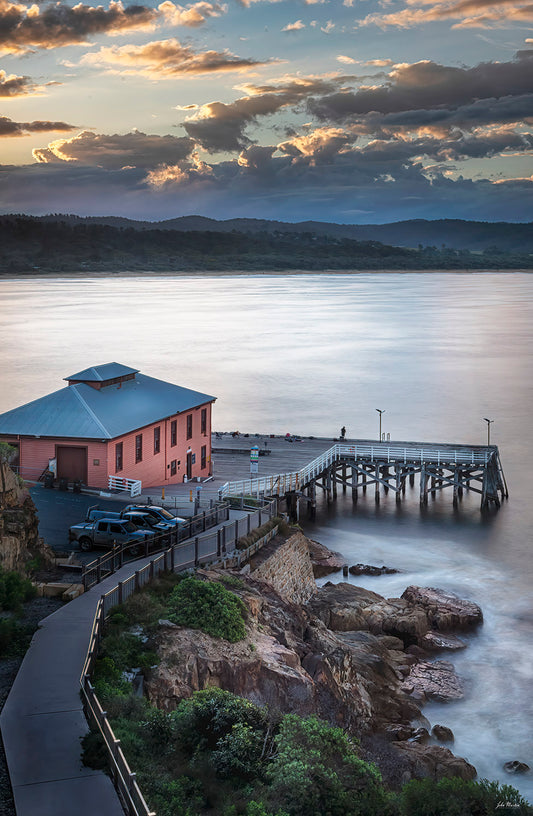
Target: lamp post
{"x": 380, "y": 411}
{"x": 489, "y": 422}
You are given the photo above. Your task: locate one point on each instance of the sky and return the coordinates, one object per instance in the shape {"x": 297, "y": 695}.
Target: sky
{"x": 362, "y": 111}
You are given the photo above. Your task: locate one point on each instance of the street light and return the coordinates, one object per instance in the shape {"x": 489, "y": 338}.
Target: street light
{"x": 489, "y": 422}
{"x": 380, "y": 411}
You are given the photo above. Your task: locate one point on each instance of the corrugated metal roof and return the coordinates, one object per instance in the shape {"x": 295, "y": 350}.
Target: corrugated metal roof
{"x": 101, "y": 373}
{"x": 82, "y": 412}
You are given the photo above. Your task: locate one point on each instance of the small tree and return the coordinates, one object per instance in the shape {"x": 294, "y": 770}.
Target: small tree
{"x": 7, "y": 454}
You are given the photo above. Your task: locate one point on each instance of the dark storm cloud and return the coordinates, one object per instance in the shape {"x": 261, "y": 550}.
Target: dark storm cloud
{"x": 10, "y": 128}
{"x": 116, "y": 151}
{"x": 429, "y": 86}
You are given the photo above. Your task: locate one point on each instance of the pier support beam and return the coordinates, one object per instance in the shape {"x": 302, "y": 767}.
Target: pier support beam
{"x": 377, "y": 485}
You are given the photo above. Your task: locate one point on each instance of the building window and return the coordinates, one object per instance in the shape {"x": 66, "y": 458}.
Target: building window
{"x": 157, "y": 439}
{"x": 203, "y": 457}
{"x": 204, "y": 421}
{"x": 139, "y": 448}
{"x": 118, "y": 457}
{"x": 173, "y": 468}
{"x": 189, "y": 426}
{"x": 173, "y": 433}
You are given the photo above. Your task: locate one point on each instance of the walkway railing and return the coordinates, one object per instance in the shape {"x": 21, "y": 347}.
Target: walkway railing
{"x": 411, "y": 452}
{"x": 123, "y": 777}
{"x": 187, "y": 547}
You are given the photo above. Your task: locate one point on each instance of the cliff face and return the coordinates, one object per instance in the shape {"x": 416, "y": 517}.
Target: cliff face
{"x": 19, "y": 532}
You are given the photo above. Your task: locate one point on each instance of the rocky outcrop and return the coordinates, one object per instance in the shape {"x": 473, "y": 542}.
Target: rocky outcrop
{"x": 445, "y": 610}
{"x": 368, "y": 569}
{"x": 19, "y": 533}
{"x": 341, "y": 656}
{"x": 434, "y": 761}
{"x": 324, "y": 561}
{"x": 434, "y": 681}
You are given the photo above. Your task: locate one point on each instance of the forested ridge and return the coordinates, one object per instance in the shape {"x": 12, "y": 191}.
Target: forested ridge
{"x": 37, "y": 245}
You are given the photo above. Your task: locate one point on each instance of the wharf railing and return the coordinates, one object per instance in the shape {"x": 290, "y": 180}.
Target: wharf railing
{"x": 382, "y": 453}
{"x": 123, "y": 777}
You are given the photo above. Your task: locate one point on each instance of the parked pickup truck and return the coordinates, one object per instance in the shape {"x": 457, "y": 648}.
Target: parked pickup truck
{"x": 105, "y": 533}
{"x": 150, "y": 513}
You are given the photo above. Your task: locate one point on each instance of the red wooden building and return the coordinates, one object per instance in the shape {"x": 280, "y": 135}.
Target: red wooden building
{"x": 111, "y": 420}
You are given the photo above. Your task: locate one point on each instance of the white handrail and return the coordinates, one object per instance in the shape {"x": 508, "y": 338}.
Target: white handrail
{"x": 134, "y": 486}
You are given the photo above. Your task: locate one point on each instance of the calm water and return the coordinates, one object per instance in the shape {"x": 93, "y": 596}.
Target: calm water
{"x": 307, "y": 354}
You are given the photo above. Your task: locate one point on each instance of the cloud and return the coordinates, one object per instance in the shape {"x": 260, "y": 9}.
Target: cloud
{"x": 13, "y": 85}
{"x": 296, "y": 26}
{"x": 166, "y": 59}
{"x": 116, "y": 151}
{"x": 430, "y": 86}
{"x": 219, "y": 126}
{"x": 23, "y": 27}
{"x": 10, "y": 128}
{"x": 268, "y": 186}
{"x": 468, "y": 13}
{"x": 193, "y": 15}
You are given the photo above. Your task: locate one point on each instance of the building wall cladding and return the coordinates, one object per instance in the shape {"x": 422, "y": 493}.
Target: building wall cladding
{"x": 287, "y": 567}
{"x": 35, "y": 454}
{"x": 156, "y": 468}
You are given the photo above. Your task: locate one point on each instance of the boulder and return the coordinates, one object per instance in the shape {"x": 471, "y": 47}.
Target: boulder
{"x": 445, "y": 609}
{"x": 368, "y": 569}
{"x": 435, "y": 681}
{"x": 516, "y": 767}
{"x": 323, "y": 560}
{"x": 434, "y": 761}
{"x": 442, "y": 733}
{"x": 437, "y": 642}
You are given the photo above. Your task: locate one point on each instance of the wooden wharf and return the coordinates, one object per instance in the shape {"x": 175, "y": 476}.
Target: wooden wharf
{"x": 359, "y": 464}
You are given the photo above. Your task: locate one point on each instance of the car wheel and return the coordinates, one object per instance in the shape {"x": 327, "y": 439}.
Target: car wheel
{"x": 86, "y": 544}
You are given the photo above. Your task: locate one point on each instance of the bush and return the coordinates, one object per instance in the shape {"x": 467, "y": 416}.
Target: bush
{"x": 207, "y": 606}
{"x": 14, "y": 638}
{"x": 317, "y": 771}
{"x": 14, "y": 590}
{"x": 457, "y": 797}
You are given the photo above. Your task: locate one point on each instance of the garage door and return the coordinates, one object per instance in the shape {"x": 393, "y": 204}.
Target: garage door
{"x": 72, "y": 463}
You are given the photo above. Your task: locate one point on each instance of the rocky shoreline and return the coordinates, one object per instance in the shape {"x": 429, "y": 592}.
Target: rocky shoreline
{"x": 348, "y": 655}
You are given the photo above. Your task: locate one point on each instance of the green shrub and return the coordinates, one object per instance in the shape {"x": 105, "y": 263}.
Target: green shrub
{"x": 14, "y": 638}
{"x": 14, "y": 590}
{"x": 207, "y": 606}
{"x": 317, "y": 771}
{"x": 457, "y": 797}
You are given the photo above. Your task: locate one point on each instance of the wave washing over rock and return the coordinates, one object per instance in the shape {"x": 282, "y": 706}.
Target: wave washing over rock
{"x": 348, "y": 655}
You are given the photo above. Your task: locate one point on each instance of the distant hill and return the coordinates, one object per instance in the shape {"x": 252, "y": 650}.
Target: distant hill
{"x": 450, "y": 233}
{"x": 82, "y": 245}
